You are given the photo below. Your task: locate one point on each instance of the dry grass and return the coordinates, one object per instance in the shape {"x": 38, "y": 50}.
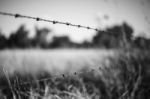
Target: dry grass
{"x": 125, "y": 78}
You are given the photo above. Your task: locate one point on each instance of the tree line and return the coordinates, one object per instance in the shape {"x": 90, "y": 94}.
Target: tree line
{"x": 117, "y": 36}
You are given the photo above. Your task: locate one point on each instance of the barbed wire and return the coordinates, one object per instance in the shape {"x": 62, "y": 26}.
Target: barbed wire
{"x": 46, "y": 20}
{"x": 16, "y": 15}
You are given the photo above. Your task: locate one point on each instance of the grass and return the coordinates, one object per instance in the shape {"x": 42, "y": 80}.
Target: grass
{"x": 56, "y": 61}
{"x": 126, "y": 77}
{"x": 82, "y": 86}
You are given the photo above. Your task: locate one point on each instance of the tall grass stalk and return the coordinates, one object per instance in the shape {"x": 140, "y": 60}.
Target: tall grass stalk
{"x": 9, "y": 83}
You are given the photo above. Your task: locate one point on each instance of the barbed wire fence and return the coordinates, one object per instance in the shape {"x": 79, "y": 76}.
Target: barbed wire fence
{"x": 17, "y": 15}
{"x": 46, "y": 20}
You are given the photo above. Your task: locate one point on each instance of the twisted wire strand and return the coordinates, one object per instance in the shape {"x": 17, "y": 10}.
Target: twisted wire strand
{"x": 46, "y": 20}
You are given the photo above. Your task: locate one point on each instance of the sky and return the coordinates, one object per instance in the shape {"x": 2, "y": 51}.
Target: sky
{"x": 94, "y": 13}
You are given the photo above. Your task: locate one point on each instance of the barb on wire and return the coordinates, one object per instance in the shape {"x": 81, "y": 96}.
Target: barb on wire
{"x": 50, "y": 21}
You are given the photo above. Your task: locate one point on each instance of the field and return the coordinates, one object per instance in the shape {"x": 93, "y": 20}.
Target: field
{"x": 74, "y": 74}
{"x": 60, "y": 60}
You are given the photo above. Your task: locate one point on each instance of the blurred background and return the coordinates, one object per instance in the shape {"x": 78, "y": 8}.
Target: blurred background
{"x": 121, "y": 23}
{"x": 122, "y": 43}
{"x": 100, "y": 14}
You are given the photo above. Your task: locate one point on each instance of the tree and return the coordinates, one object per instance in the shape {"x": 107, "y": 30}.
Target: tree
{"x": 3, "y": 41}
{"x": 114, "y": 36}
{"x": 122, "y": 33}
{"x": 62, "y": 41}
{"x": 19, "y": 38}
{"x": 40, "y": 39}
{"x": 124, "y": 30}
{"x": 142, "y": 43}
{"x": 86, "y": 44}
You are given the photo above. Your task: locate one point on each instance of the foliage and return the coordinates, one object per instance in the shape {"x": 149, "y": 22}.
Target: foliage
{"x": 19, "y": 38}
{"x": 118, "y": 36}
{"x": 40, "y": 39}
{"x": 62, "y": 41}
{"x": 113, "y": 37}
{"x": 3, "y": 41}
{"x": 142, "y": 43}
